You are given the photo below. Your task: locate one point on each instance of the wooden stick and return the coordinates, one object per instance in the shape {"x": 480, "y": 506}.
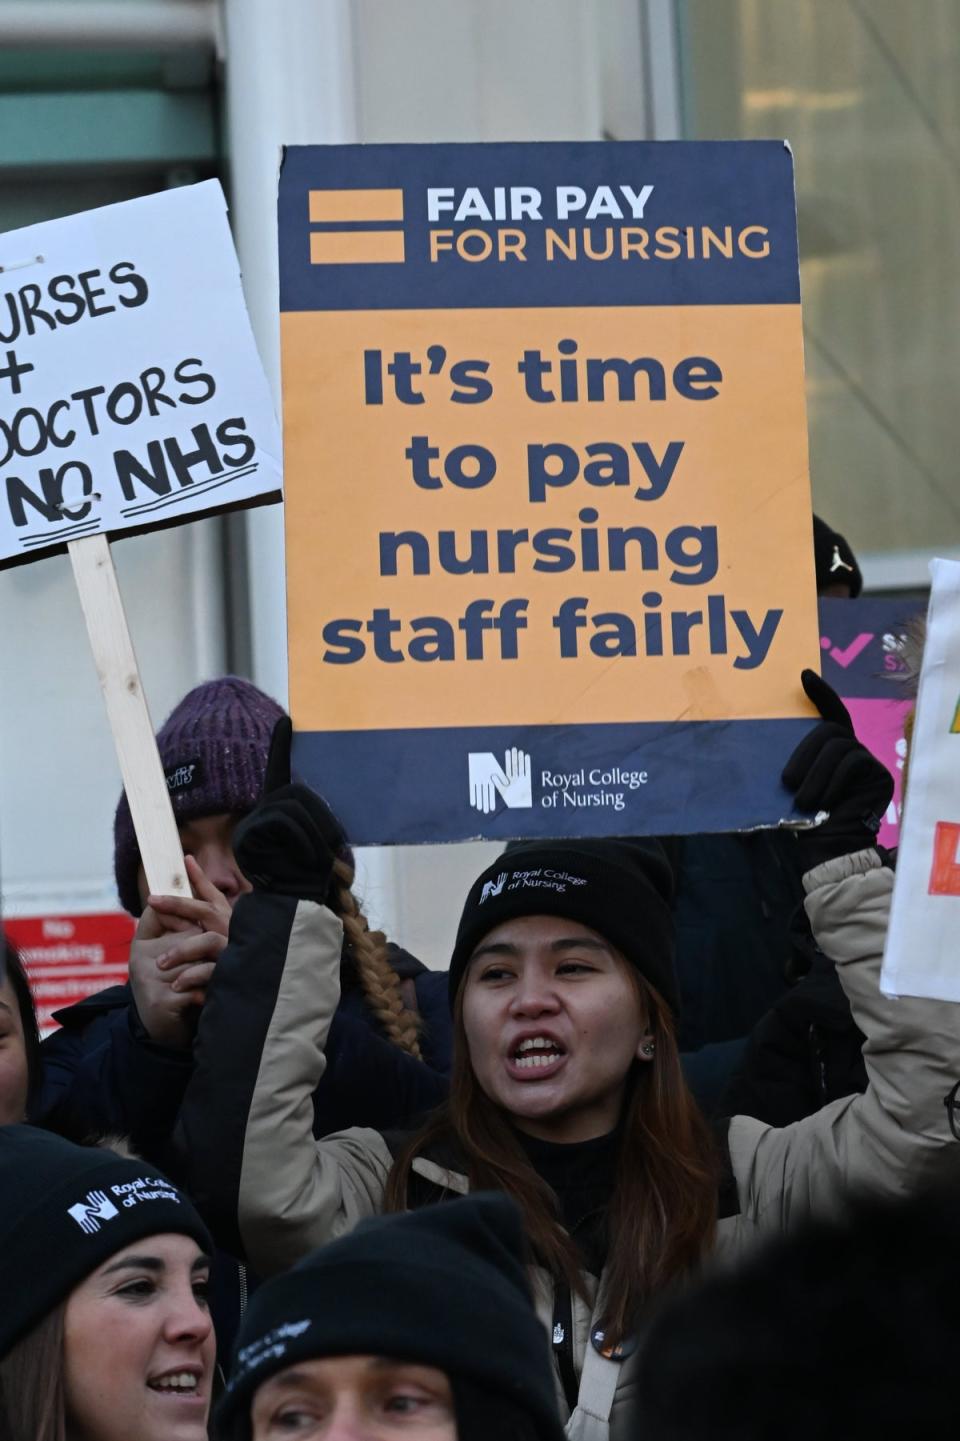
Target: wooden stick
{"x": 129, "y": 717}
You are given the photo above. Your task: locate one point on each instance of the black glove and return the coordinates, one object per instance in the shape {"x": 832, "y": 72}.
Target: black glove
{"x": 289, "y": 841}
{"x": 831, "y": 771}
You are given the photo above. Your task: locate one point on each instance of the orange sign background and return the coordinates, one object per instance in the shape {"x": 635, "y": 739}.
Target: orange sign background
{"x": 743, "y": 469}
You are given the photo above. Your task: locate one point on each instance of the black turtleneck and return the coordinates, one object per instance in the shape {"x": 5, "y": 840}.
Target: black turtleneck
{"x": 581, "y": 1174}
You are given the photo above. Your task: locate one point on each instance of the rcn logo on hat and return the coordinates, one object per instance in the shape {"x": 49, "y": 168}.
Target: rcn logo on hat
{"x": 89, "y": 1213}
{"x": 512, "y": 781}
{"x": 493, "y": 888}
{"x": 266, "y": 1348}
{"x": 540, "y": 878}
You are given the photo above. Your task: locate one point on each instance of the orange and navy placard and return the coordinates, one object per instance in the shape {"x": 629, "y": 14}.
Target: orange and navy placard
{"x": 549, "y": 559}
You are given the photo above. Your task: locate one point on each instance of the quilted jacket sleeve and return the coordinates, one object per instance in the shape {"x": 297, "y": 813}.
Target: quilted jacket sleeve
{"x": 893, "y": 1138}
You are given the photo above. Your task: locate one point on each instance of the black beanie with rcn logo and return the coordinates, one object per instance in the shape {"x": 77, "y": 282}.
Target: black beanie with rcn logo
{"x": 621, "y": 889}
{"x": 64, "y": 1210}
{"x": 443, "y": 1286}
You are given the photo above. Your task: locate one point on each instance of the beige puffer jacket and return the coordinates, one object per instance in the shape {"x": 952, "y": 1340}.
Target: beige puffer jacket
{"x": 291, "y": 1194}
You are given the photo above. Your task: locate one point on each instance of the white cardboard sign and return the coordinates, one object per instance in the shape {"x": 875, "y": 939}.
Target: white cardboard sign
{"x": 922, "y": 956}
{"x": 131, "y": 391}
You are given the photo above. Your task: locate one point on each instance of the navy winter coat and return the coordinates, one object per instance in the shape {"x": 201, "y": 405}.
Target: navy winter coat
{"x": 103, "y": 1075}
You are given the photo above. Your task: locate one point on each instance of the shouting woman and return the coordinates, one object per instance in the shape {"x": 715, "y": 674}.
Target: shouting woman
{"x": 566, "y": 1090}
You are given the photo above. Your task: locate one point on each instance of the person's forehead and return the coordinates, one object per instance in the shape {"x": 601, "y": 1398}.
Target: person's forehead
{"x": 324, "y": 1370}
{"x": 538, "y": 930}
{"x": 167, "y": 1248}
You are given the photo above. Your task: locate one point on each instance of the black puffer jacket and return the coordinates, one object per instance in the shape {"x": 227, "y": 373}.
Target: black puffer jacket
{"x": 103, "y": 1075}
{"x": 805, "y": 1052}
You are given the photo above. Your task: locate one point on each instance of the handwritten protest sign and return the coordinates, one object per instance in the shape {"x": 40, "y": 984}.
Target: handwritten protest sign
{"x": 131, "y": 397}
{"x": 920, "y": 958}
{"x": 131, "y": 393}
{"x": 548, "y": 518}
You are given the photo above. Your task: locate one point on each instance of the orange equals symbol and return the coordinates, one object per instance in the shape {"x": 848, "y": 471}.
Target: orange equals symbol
{"x": 356, "y": 208}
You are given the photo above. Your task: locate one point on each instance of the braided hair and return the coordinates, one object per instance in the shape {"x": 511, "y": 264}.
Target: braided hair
{"x": 368, "y": 950}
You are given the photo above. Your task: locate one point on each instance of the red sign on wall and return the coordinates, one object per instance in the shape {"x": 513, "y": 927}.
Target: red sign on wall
{"x": 70, "y": 957}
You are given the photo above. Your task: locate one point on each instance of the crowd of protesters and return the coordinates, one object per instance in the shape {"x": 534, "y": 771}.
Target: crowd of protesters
{"x": 289, "y": 1173}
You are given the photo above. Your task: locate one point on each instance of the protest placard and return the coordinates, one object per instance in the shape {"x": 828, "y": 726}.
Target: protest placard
{"x": 548, "y": 519}
{"x": 131, "y": 393}
{"x": 920, "y": 957}
{"x": 131, "y": 397}
{"x": 862, "y": 646}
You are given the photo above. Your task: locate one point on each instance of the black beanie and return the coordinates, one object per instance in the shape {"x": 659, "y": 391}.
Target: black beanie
{"x": 482, "y": 1416}
{"x": 834, "y": 561}
{"x": 444, "y": 1286}
{"x": 64, "y": 1210}
{"x": 621, "y": 889}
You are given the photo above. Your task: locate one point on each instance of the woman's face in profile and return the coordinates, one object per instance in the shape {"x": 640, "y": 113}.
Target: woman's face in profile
{"x": 14, "y": 1075}
{"x": 139, "y": 1347}
{"x": 355, "y": 1398}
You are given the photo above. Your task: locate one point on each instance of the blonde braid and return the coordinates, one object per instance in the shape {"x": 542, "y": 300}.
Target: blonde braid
{"x": 380, "y": 982}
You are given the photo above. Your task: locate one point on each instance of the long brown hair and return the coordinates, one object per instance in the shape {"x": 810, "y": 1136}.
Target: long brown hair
{"x": 662, "y": 1213}
{"x": 368, "y": 950}
{"x": 32, "y": 1398}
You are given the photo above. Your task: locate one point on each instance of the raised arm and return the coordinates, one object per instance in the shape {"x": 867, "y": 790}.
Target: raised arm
{"x": 896, "y": 1136}
{"x": 893, "y": 1138}
{"x": 245, "y": 1135}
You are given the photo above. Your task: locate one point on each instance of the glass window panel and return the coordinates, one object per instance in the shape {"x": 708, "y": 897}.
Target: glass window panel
{"x": 867, "y": 94}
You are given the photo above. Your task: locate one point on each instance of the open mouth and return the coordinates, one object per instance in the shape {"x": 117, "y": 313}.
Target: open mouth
{"x": 177, "y": 1383}
{"x": 536, "y": 1054}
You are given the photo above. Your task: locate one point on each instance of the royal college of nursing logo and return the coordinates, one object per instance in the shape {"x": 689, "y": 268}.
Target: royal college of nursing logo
{"x": 493, "y": 888}
{"x": 512, "y": 781}
{"x": 89, "y": 1213}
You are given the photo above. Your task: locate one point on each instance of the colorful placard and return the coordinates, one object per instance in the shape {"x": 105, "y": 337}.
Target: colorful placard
{"x": 920, "y": 958}
{"x": 549, "y": 555}
{"x": 131, "y": 392}
{"x": 862, "y": 655}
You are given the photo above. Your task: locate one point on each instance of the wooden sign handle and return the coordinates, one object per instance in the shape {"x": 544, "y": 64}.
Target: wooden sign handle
{"x": 136, "y": 746}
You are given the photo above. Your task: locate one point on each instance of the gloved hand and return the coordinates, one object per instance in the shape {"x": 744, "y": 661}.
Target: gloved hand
{"x": 831, "y": 771}
{"x": 289, "y": 841}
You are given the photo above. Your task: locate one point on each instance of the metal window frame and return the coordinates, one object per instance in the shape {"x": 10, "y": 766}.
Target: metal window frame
{"x": 661, "y": 69}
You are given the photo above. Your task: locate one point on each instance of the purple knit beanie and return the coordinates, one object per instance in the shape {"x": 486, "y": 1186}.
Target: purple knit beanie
{"x": 213, "y": 749}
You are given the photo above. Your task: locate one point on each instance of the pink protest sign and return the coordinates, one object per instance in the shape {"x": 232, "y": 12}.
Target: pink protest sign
{"x": 861, "y": 643}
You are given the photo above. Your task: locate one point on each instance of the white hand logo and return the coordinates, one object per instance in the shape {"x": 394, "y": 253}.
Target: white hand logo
{"x": 493, "y": 888}
{"x": 88, "y": 1214}
{"x": 516, "y": 788}
{"x": 513, "y": 781}
{"x": 486, "y": 778}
